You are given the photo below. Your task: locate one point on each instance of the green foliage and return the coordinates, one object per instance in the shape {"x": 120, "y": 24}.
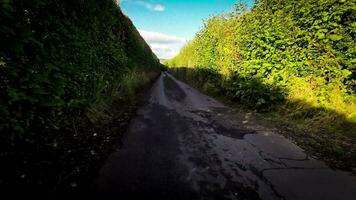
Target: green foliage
{"x": 61, "y": 57}
{"x": 272, "y": 52}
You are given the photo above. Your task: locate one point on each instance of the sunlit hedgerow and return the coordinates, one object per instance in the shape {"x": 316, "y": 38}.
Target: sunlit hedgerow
{"x": 272, "y": 52}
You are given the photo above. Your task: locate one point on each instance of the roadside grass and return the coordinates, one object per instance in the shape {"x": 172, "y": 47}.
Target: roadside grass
{"x": 65, "y": 168}
{"x": 325, "y": 129}
{"x": 122, "y": 95}
{"x": 103, "y": 126}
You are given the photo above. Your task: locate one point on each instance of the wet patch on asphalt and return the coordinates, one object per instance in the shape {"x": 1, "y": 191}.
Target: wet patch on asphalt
{"x": 214, "y": 174}
{"x": 237, "y": 133}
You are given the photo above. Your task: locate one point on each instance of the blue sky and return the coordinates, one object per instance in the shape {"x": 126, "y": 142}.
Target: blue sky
{"x": 167, "y": 24}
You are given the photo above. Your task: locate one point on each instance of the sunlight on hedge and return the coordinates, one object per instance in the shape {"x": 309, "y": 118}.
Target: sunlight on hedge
{"x": 304, "y": 51}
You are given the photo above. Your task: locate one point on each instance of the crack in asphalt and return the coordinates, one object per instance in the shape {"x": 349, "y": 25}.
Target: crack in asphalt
{"x": 185, "y": 145}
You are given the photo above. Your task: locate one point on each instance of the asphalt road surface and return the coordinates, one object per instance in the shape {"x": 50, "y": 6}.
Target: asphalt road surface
{"x": 185, "y": 145}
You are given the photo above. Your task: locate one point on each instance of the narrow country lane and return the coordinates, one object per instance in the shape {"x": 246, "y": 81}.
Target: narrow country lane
{"x": 185, "y": 145}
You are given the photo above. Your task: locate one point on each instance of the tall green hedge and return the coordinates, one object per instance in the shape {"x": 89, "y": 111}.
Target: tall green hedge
{"x": 300, "y": 50}
{"x": 59, "y": 57}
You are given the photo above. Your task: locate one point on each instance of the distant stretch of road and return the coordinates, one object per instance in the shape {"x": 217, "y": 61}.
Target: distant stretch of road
{"x": 185, "y": 145}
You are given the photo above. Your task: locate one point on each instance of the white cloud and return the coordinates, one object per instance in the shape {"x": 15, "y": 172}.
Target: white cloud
{"x": 147, "y": 4}
{"x": 156, "y": 37}
{"x": 164, "y": 46}
{"x": 159, "y": 8}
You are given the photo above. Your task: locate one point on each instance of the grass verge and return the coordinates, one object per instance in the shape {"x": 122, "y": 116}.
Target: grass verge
{"x": 63, "y": 169}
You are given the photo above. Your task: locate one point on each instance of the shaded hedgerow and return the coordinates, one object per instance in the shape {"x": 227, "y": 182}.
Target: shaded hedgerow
{"x": 61, "y": 56}
{"x": 65, "y": 68}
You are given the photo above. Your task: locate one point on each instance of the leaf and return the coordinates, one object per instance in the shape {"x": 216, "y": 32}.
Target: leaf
{"x": 2, "y": 63}
{"x": 320, "y": 35}
{"x": 346, "y": 73}
{"x": 335, "y": 37}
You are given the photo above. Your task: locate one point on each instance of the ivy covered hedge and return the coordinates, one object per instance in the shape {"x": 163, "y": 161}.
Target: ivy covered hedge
{"x": 295, "y": 50}
{"x": 60, "y": 62}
